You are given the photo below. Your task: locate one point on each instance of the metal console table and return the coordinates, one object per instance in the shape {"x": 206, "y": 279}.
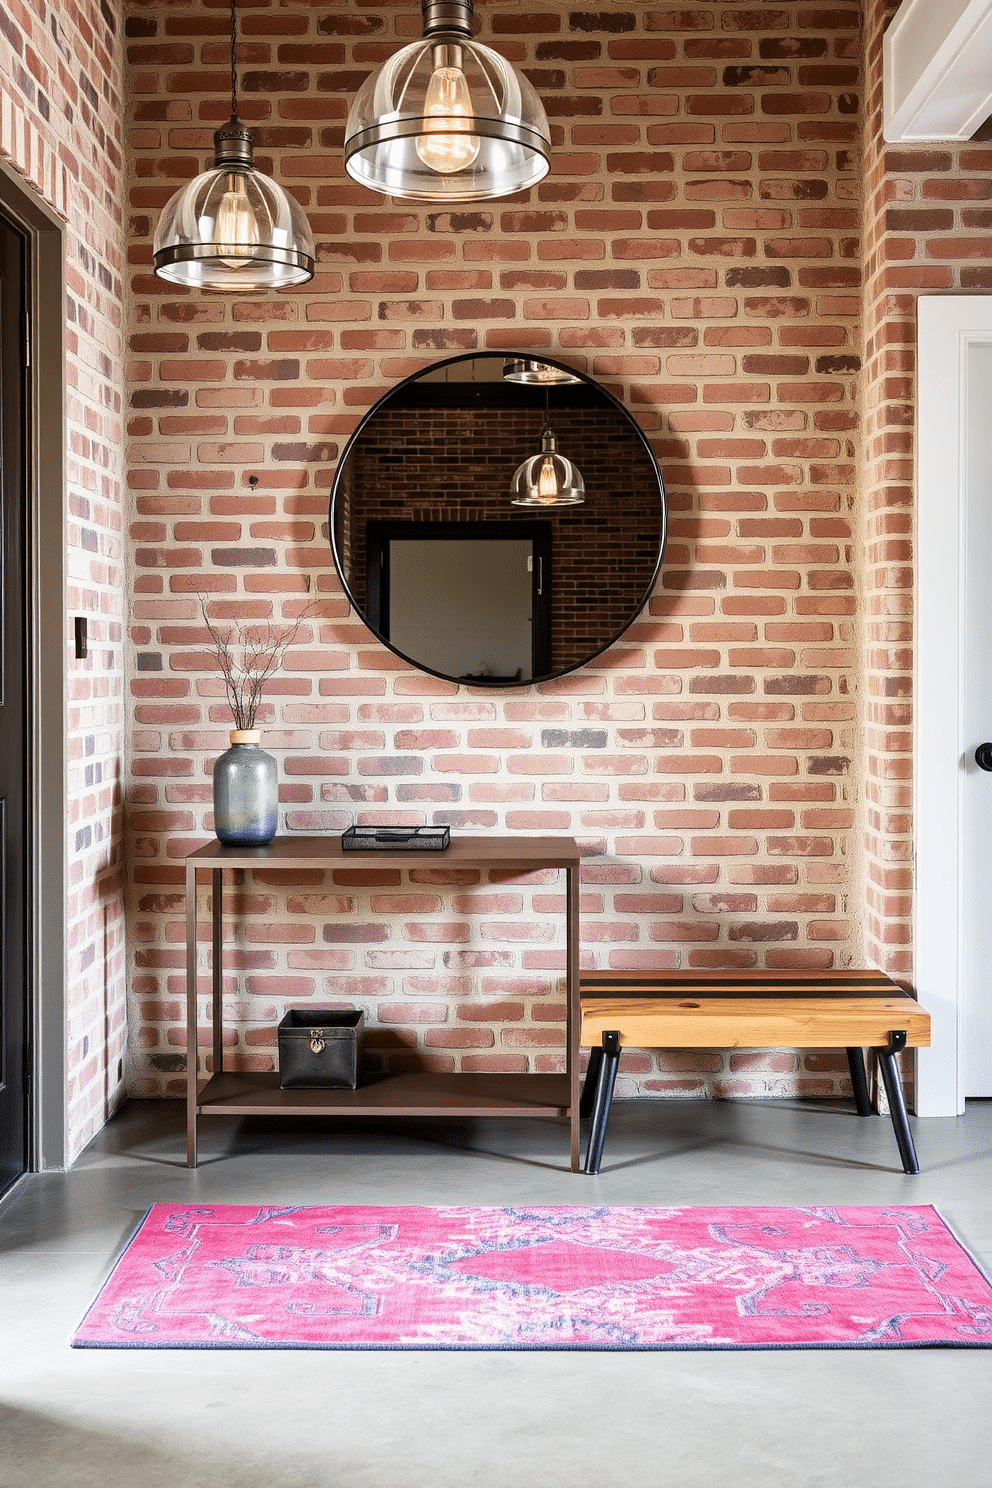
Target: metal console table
{"x": 236, "y": 1093}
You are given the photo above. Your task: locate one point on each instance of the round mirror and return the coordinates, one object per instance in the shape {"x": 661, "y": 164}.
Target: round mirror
{"x": 495, "y": 528}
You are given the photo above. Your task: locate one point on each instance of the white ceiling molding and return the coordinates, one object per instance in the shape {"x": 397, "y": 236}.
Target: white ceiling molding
{"x": 937, "y": 80}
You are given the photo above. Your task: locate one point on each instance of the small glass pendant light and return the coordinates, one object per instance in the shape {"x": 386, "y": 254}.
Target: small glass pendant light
{"x": 548, "y": 478}
{"x": 232, "y": 228}
{"x": 533, "y": 372}
{"x": 447, "y": 119}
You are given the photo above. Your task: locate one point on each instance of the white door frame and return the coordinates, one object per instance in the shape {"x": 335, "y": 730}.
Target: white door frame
{"x": 947, "y": 326}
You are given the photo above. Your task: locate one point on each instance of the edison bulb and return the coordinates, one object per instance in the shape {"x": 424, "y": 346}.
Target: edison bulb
{"x": 236, "y": 223}
{"x": 547, "y": 484}
{"x": 447, "y": 99}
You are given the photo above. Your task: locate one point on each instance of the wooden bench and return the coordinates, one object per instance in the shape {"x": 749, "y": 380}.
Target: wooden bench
{"x": 848, "y": 1010}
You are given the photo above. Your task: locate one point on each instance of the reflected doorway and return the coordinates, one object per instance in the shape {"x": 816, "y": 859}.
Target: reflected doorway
{"x": 466, "y": 600}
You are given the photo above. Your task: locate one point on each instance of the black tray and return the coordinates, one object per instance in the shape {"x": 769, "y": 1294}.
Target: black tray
{"x": 413, "y": 839}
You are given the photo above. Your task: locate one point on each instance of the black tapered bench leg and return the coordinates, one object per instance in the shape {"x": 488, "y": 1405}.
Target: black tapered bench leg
{"x": 591, "y": 1082}
{"x": 859, "y": 1081}
{"x": 606, "y": 1079}
{"x": 897, "y": 1103}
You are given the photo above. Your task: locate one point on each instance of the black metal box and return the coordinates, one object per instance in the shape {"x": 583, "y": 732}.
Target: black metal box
{"x": 320, "y": 1049}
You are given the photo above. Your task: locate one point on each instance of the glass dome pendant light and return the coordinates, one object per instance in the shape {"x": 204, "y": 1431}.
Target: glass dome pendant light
{"x": 548, "y": 478}
{"x": 232, "y": 228}
{"x": 447, "y": 119}
{"x": 529, "y": 371}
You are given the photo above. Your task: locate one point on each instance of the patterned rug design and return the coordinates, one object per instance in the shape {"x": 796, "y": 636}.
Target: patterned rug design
{"x": 244, "y": 1277}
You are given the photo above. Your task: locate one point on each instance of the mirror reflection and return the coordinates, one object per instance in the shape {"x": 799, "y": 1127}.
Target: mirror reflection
{"x": 498, "y": 529}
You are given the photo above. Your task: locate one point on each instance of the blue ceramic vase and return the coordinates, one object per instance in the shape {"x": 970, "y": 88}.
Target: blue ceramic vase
{"x": 246, "y": 792}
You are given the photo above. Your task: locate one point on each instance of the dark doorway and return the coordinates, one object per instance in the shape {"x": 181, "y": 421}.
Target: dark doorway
{"x": 463, "y": 599}
{"x": 15, "y": 1023}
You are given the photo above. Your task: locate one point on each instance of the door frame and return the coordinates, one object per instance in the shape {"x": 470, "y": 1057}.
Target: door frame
{"x": 948, "y": 325}
{"x": 45, "y": 593}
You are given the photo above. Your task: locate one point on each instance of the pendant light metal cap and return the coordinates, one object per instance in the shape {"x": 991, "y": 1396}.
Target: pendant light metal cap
{"x": 494, "y": 121}
{"x": 234, "y": 144}
{"x": 451, "y": 16}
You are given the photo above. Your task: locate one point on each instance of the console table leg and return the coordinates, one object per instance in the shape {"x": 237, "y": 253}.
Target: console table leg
{"x": 572, "y": 1011}
{"x": 217, "y": 968}
{"x": 191, "y": 1052}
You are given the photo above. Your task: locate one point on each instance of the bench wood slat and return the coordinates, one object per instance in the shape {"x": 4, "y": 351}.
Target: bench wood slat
{"x": 753, "y": 1022}
{"x": 783, "y": 994}
{"x": 834, "y": 984}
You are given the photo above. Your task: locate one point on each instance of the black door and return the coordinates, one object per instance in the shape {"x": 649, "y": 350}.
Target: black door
{"x": 14, "y": 860}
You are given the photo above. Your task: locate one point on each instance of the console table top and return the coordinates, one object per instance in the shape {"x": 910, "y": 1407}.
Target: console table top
{"x": 303, "y": 852}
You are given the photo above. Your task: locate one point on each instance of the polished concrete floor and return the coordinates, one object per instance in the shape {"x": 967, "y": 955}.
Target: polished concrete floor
{"x": 500, "y": 1420}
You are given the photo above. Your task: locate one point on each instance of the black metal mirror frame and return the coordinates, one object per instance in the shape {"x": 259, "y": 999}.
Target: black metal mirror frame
{"x": 396, "y": 391}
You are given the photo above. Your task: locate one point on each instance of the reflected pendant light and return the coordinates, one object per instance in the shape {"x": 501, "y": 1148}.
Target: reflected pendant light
{"x": 547, "y": 478}
{"x": 232, "y": 228}
{"x": 536, "y": 373}
{"x": 447, "y": 119}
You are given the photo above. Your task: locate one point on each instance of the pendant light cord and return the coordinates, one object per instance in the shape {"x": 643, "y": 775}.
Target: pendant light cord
{"x": 234, "y": 63}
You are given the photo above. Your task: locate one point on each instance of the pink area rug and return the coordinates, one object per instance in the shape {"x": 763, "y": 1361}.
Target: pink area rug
{"x": 243, "y": 1277}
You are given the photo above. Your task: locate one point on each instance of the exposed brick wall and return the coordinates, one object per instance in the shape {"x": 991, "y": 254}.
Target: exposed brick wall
{"x": 928, "y": 210}
{"x": 696, "y": 248}
{"x": 61, "y": 128}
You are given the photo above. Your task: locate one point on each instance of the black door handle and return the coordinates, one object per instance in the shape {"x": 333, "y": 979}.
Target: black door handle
{"x": 983, "y": 756}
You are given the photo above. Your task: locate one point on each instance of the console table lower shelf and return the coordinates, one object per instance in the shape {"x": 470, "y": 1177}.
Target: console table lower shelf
{"x": 412, "y": 1094}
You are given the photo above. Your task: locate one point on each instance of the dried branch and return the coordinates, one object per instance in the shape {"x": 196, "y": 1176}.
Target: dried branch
{"x": 247, "y": 656}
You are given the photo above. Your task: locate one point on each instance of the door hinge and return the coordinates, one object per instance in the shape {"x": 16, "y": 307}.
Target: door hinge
{"x": 27, "y": 338}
